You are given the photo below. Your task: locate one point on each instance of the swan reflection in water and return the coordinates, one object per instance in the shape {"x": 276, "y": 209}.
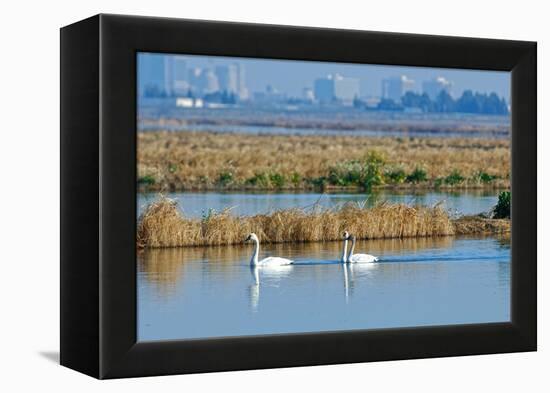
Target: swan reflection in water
{"x": 168, "y": 271}
{"x": 198, "y": 292}
{"x": 272, "y": 269}
{"x": 271, "y": 275}
{"x": 353, "y": 271}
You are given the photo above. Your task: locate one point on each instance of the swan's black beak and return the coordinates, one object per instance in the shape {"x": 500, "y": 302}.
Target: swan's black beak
{"x": 247, "y": 238}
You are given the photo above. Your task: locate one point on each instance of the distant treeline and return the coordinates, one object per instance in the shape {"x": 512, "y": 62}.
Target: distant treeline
{"x": 469, "y": 102}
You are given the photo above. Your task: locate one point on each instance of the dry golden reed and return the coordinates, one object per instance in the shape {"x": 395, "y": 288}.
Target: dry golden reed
{"x": 163, "y": 225}
{"x": 199, "y": 160}
{"x": 475, "y": 224}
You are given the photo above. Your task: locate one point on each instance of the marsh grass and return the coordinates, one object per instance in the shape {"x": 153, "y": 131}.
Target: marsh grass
{"x": 207, "y": 161}
{"x": 163, "y": 225}
{"x": 475, "y": 225}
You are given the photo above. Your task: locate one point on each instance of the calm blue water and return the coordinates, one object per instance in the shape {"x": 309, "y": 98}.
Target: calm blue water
{"x": 212, "y": 291}
{"x": 258, "y": 130}
{"x": 193, "y": 203}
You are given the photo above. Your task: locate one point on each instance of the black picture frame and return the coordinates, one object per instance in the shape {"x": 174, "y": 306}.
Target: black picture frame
{"x": 98, "y": 188}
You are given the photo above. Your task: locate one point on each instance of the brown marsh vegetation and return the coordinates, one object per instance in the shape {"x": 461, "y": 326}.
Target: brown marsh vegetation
{"x": 163, "y": 225}
{"x": 170, "y": 161}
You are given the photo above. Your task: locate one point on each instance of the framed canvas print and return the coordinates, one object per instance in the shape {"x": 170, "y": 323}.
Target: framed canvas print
{"x": 239, "y": 196}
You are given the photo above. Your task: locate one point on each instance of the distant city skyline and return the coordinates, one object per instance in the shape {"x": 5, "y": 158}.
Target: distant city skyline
{"x": 292, "y": 77}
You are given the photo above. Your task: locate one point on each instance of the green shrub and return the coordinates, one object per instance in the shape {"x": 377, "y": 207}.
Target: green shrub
{"x": 277, "y": 180}
{"x": 502, "y": 208}
{"x": 319, "y": 182}
{"x": 345, "y": 173}
{"x": 364, "y": 173}
{"x": 373, "y": 177}
{"x": 454, "y": 178}
{"x": 259, "y": 179}
{"x": 484, "y": 177}
{"x": 225, "y": 178}
{"x": 295, "y": 179}
{"x": 417, "y": 176}
{"x": 267, "y": 180}
{"x": 146, "y": 180}
{"x": 396, "y": 175}
{"x": 375, "y": 158}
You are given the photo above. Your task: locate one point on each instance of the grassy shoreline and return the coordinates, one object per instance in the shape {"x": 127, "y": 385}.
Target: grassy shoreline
{"x": 163, "y": 226}
{"x": 328, "y": 188}
{"x": 350, "y": 121}
{"x": 207, "y": 161}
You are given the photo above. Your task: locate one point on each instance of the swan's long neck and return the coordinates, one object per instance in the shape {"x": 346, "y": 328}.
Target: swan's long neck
{"x": 254, "y": 260}
{"x": 345, "y": 250}
{"x": 352, "y": 248}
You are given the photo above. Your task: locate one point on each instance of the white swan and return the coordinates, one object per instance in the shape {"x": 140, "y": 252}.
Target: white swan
{"x": 345, "y": 251}
{"x": 269, "y": 261}
{"x": 359, "y": 258}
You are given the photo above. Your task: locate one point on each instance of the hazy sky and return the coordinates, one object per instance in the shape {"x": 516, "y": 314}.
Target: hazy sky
{"x": 292, "y": 76}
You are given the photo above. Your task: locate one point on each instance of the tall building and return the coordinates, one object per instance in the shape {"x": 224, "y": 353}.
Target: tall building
{"x": 242, "y": 90}
{"x": 228, "y": 78}
{"x": 209, "y": 81}
{"x": 336, "y": 88}
{"x": 179, "y": 74}
{"x": 155, "y": 75}
{"x": 394, "y": 88}
{"x": 193, "y": 78}
{"x": 232, "y": 78}
{"x": 346, "y": 89}
{"x": 323, "y": 89}
{"x": 202, "y": 80}
{"x": 435, "y": 86}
